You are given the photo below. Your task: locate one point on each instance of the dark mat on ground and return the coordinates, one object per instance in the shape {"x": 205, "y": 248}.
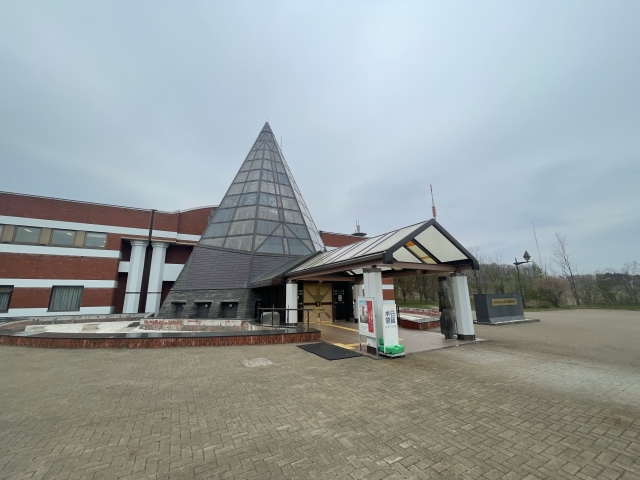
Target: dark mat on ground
{"x": 328, "y": 351}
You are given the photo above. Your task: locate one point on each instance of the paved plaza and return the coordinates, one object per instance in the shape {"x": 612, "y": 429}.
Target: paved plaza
{"x": 555, "y": 399}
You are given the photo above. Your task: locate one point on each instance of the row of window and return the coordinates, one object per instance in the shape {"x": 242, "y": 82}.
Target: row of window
{"x": 54, "y": 237}
{"x": 62, "y": 299}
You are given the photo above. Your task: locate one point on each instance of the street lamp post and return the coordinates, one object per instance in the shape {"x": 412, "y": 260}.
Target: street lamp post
{"x": 527, "y": 257}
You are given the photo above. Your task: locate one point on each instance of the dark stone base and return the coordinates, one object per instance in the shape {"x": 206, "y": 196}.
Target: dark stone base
{"x": 192, "y": 304}
{"x": 466, "y": 337}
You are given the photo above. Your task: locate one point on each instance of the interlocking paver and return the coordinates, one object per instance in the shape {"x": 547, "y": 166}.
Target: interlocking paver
{"x": 555, "y": 399}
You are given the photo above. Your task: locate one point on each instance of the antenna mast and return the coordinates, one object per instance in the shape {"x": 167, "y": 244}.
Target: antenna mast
{"x": 537, "y": 246}
{"x": 433, "y": 203}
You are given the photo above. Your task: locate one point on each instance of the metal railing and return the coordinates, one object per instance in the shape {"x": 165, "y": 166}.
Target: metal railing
{"x": 274, "y": 309}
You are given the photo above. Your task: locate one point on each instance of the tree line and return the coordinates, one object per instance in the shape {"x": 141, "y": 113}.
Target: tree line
{"x": 550, "y": 284}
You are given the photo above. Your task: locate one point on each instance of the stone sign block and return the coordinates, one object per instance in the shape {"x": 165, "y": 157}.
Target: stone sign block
{"x": 498, "y": 308}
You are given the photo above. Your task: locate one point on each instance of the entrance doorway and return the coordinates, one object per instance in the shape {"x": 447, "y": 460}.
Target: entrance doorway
{"x": 343, "y": 300}
{"x": 319, "y": 296}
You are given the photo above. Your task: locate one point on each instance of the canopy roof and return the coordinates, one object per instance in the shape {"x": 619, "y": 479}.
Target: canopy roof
{"x": 421, "y": 248}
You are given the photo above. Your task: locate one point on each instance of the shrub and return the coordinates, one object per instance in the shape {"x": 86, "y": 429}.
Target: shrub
{"x": 551, "y": 289}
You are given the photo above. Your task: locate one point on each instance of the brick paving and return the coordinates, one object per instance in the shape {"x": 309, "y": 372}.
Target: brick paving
{"x": 555, "y": 399}
{"x": 345, "y": 335}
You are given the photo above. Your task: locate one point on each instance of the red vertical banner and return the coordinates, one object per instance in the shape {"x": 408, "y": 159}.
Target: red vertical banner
{"x": 370, "y": 316}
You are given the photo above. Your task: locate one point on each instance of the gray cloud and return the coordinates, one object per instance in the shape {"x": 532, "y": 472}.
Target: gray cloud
{"x": 515, "y": 112}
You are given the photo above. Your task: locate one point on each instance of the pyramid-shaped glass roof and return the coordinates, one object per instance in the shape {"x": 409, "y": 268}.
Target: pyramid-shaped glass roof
{"x": 263, "y": 211}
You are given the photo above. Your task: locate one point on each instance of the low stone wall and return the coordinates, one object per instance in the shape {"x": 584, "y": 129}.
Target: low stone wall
{"x": 429, "y": 312}
{"x": 430, "y": 318}
{"x": 17, "y": 325}
{"x": 412, "y": 325}
{"x": 205, "y": 341}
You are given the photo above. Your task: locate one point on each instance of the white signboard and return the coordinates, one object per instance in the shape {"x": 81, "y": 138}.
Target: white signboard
{"x": 389, "y": 324}
{"x": 366, "y": 317}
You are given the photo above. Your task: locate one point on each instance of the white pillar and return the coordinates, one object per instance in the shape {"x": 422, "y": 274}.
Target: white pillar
{"x": 462, "y": 307}
{"x": 154, "y": 290}
{"x": 134, "y": 278}
{"x": 291, "y": 290}
{"x": 357, "y": 293}
{"x": 373, "y": 288}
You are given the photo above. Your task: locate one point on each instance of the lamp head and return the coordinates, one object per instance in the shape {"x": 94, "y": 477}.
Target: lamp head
{"x": 526, "y": 256}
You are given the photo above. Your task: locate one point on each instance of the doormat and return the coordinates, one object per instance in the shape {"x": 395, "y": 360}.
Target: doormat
{"x": 329, "y": 351}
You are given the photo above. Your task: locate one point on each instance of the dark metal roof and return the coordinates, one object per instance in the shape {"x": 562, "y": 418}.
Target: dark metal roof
{"x": 276, "y": 275}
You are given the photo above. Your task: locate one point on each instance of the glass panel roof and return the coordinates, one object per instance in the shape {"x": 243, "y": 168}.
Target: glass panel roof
{"x": 252, "y": 213}
{"x": 403, "y": 255}
{"x": 235, "y": 189}
{"x": 404, "y": 245}
{"x": 419, "y": 252}
{"x": 442, "y": 249}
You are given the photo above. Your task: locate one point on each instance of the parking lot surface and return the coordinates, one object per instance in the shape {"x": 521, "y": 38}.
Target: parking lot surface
{"x": 555, "y": 399}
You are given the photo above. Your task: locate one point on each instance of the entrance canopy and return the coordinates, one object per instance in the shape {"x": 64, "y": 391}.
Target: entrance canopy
{"x": 422, "y": 248}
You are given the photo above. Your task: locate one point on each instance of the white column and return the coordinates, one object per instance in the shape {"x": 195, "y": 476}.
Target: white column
{"x": 134, "y": 278}
{"x": 154, "y": 290}
{"x": 357, "y": 293}
{"x": 373, "y": 288}
{"x": 291, "y": 290}
{"x": 462, "y": 307}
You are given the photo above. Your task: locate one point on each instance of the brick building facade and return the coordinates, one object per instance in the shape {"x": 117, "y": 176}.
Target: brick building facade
{"x": 64, "y": 257}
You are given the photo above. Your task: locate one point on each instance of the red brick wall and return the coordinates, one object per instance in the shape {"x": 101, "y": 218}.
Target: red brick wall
{"x": 159, "y": 342}
{"x": 92, "y": 268}
{"x": 178, "y": 254}
{"x": 17, "y": 205}
{"x": 193, "y": 222}
{"x": 166, "y": 221}
{"x": 98, "y": 297}
{"x": 39, "y": 297}
{"x": 30, "y": 298}
{"x": 17, "y": 265}
{"x": 122, "y": 217}
{"x": 21, "y": 265}
{"x": 339, "y": 240}
{"x": 114, "y": 241}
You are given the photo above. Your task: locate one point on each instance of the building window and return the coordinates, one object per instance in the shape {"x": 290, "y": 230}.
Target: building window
{"x": 65, "y": 299}
{"x": 27, "y": 235}
{"x": 95, "y": 240}
{"x": 64, "y": 238}
{"x": 5, "y": 297}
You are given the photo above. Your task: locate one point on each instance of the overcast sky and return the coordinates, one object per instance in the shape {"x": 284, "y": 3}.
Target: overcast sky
{"x": 514, "y": 111}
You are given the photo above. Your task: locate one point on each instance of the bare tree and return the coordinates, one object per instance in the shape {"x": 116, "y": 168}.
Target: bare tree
{"x": 631, "y": 281}
{"x": 497, "y": 272}
{"x": 562, "y": 259}
{"x": 427, "y": 287}
{"x": 477, "y": 276}
{"x": 551, "y": 289}
{"x": 587, "y": 288}
{"x": 406, "y": 285}
{"x": 607, "y": 287}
